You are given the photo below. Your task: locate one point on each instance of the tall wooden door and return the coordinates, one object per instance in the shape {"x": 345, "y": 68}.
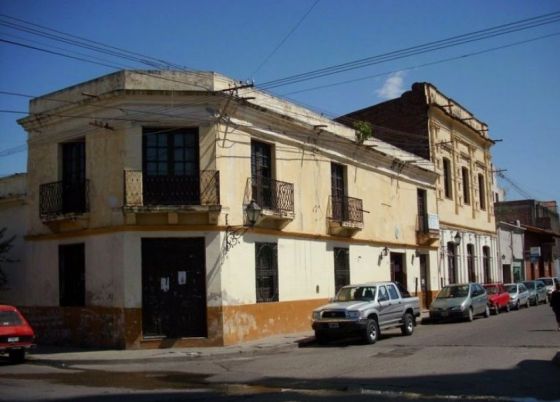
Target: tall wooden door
{"x": 174, "y": 287}
{"x": 74, "y": 177}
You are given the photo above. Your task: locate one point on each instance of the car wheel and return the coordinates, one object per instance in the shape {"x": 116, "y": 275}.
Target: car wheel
{"x": 507, "y": 308}
{"x": 17, "y": 356}
{"x": 371, "y": 331}
{"x": 407, "y": 328}
{"x": 487, "y": 311}
{"x": 528, "y": 304}
{"x": 496, "y": 309}
{"x": 517, "y": 305}
{"x": 470, "y": 316}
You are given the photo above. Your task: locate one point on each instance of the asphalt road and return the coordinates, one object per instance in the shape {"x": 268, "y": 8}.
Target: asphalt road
{"x": 504, "y": 357}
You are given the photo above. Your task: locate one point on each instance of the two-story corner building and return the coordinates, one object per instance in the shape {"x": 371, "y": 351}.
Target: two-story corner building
{"x": 541, "y": 224}
{"x": 182, "y": 208}
{"x": 13, "y": 214}
{"x": 431, "y": 125}
{"x": 511, "y": 240}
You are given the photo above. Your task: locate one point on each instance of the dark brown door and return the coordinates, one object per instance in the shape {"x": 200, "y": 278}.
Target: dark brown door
{"x": 422, "y": 211}
{"x": 424, "y": 280}
{"x": 174, "y": 287}
{"x": 398, "y": 272}
{"x": 261, "y": 174}
{"x": 338, "y": 193}
{"x": 74, "y": 177}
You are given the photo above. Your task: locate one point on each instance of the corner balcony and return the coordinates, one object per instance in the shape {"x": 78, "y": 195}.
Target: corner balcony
{"x": 275, "y": 197}
{"x": 64, "y": 205}
{"x": 345, "y": 216}
{"x": 171, "y": 199}
{"x": 427, "y": 229}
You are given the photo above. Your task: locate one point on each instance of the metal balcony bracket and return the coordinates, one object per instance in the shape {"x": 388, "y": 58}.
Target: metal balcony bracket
{"x": 233, "y": 235}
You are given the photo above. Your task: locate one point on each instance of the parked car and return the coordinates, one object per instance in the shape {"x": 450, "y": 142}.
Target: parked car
{"x": 498, "y": 297}
{"x": 16, "y": 335}
{"x": 519, "y": 295}
{"x": 537, "y": 292}
{"x": 550, "y": 282}
{"x": 464, "y": 301}
{"x": 364, "y": 310}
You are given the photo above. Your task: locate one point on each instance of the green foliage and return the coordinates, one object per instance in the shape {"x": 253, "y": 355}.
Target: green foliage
{"x": 5, "y": 246}
{"x": 364, "y": 131}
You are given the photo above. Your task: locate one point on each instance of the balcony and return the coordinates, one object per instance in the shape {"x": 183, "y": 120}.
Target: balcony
{"x": 275, "y": 197}
{"x": 427, "y": 229}
{"x": 63, "y": 202}
{"x": 346, "y": 215}
{"x": 176, "y": 199}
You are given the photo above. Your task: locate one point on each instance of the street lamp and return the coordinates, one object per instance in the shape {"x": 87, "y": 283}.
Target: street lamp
{"x": 457, "y": 239}
{"x": 233, "y": 234}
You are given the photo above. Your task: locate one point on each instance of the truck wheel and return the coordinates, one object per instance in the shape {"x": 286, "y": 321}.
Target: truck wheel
{"x": 407, "y": 328}
{"x": 371, "y": 331}
{"x": 321, "y": 338}
{"x": 16, "y": 356}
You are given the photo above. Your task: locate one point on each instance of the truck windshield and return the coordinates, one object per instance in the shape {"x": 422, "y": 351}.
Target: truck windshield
{"x": 450, "y": 292}
{"x": 351, "y": 293}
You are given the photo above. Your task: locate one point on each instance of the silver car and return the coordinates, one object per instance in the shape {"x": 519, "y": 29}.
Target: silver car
{"x": 463, "y": 301}
{"x": 550, "y": 282}
{"x": 537, "y": 292}
{"x": 518, "y": 295}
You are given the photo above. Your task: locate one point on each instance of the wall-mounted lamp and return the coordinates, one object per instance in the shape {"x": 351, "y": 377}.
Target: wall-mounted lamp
{"x": 503, "y": 256}
{"x": 385, "y": 251}
{"x": 457, "y": 239}
{"x": 233, "y": 234}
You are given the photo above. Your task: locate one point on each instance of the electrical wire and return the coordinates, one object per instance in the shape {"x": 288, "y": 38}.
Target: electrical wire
{"x": 487, "y": 33}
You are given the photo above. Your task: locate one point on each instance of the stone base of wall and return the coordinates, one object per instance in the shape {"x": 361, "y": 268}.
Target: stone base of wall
{"x": 107, "y": 327}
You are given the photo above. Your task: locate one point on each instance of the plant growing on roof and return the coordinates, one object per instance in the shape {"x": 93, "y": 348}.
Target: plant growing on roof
{"x": 364, "y": 131}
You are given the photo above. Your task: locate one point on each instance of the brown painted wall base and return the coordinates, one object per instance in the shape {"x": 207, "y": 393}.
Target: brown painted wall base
{"x": 120, "y": 328}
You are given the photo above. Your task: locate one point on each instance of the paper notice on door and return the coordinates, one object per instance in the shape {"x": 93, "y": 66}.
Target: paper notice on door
{"x": 182, "y": 277}
{"x": 165, "y": 284}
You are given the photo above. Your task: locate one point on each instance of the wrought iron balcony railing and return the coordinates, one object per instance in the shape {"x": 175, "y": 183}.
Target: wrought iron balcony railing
{"x": 144, "y": 190}
{"x": 346, "y": 209}
{"x": 427, "y": 224}
{"x": 60, "y": 198}
{"x": 274, "y": 195}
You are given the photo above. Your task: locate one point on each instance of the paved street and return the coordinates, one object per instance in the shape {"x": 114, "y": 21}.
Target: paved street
{"x": 505, "y": 357}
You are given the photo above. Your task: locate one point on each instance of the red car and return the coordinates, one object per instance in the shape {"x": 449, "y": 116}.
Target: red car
{"x": 16, "y": 335}
{"x": 498, "y": 297}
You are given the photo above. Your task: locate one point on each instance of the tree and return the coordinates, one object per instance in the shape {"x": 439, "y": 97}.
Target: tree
{"x": 364, "y": 131}
{"x": 5, "y": 247}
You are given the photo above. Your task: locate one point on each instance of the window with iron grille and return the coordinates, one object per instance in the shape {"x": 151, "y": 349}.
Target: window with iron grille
{"x": 71, "y": 274}
{"x": 486, "y": 263}
{"x": 266, "y": 270}
{"x": 447, "y": 178}
{"x": 341, "y": 268}
{"x": 470, "y": 263}
{"x": 466, "y": 187}
{"x": 481, "y": 192}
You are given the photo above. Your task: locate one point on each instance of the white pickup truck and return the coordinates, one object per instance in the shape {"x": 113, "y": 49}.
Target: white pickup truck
{"x": 364, "y": 310}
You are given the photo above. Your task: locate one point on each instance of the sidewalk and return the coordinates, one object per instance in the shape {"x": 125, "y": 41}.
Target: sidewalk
{"x": 64, "y": 356}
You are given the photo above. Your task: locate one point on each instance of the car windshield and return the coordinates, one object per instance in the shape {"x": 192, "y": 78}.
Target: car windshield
{"x": 351, "y": 293}
{"x": 9, "y": 318}
{"x": 530, "y": 285}
{"x": 547, "y": 281}
{"x": 511, "y": 288}
{"x": 450, "y": 292}
{"x": 491, "y": 290}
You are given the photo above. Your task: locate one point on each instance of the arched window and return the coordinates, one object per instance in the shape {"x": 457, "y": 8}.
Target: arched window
{"x": 451, "y": 262}
{"x": 470, "y": 263}
{"x": 486, "y": 263}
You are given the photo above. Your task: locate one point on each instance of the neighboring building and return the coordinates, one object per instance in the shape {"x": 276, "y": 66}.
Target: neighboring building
{"x": 427, "y": 123}
{"x": 511, "y": 251}
{"x": 13, "y": 215}
{"x": 142, "y": 187}
{"x": 542, "y": 234}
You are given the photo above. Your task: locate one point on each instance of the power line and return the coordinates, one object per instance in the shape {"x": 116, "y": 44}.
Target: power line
{"x": 487, "y": 33}
{"x": 441, "y": 61}
{"x": 295, "y": 27}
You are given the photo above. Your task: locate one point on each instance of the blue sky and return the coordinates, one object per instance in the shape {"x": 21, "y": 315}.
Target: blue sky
{"x": 515, "y": 90}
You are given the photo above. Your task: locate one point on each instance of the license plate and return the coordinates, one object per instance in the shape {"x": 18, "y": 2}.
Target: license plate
{"x": 13, "y": 339}
{"x": 333, "y": 324}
